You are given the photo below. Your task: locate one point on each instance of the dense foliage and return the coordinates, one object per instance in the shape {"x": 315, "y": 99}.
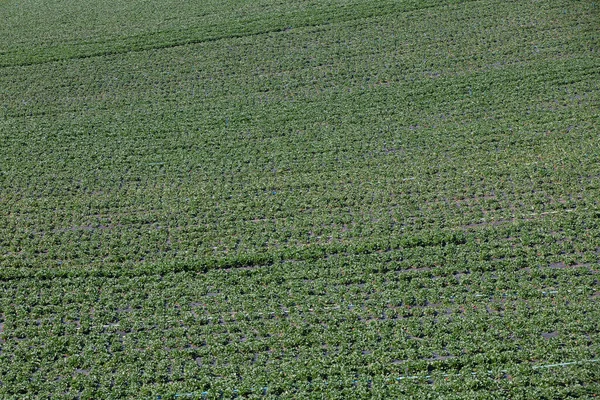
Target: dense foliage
{"x": 296, "y": 199}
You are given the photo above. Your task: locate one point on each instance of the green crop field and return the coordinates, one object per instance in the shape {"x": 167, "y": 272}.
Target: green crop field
{"x": 299, "y": 199}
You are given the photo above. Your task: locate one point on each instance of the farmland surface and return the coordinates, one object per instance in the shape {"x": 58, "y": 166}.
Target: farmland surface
{"x": 299, "y": 199}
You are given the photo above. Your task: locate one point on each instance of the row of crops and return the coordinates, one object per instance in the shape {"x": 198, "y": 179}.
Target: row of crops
{"x": 343, "y": 199}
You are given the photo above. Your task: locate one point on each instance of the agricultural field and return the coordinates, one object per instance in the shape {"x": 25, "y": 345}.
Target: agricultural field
{"x": 299, "y": 199}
